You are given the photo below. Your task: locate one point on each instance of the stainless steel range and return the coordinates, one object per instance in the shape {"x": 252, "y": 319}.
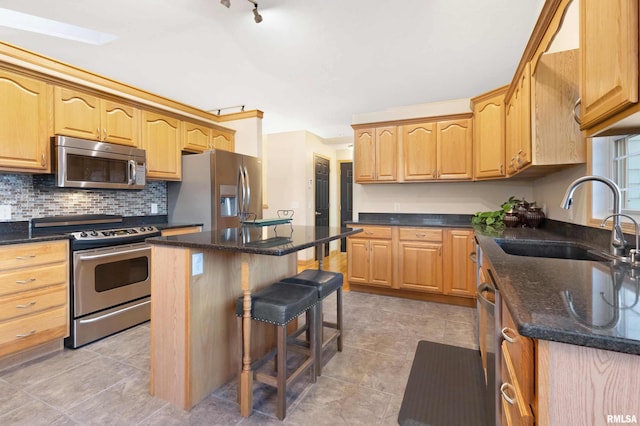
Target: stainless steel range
{"x": 110, "y": 273}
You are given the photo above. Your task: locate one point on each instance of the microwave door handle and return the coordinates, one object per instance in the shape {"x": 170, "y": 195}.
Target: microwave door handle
{"x": 247, "y": 185}
{"x": 132, "y": 172}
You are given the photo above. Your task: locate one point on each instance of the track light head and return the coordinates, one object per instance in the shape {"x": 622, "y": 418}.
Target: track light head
{"x": 225, "y": 3}
{"x": 256, "y": 16}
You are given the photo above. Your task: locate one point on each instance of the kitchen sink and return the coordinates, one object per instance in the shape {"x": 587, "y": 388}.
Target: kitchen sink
{"x": 551, "y": 249}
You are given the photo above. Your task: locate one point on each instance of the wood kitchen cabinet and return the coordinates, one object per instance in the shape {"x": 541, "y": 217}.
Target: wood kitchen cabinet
{"x": 459, "y": 269}
{"x": 489, "y": 134}
{"x": 83, "y": 115}
{"x": 199, "y": 138}
{"x": 413, "y": 262}
{"x": 34, "y": 295}
{"x": 518, "y": 122}
{"x": 517, "y": 373}
{"x": 25, "y": 111}
{"x": 542, "y": 135}
{"x": 370, "y": 257}
{"x": 223, "y": 139}
{"x": 455, "y": 149}
{"x": 375, "y": 154}
{"x": 420, "y": 259}
{"x": 608, "y": 61}
{"x": 437, "y": 150}
{"x": 161, "y": 138}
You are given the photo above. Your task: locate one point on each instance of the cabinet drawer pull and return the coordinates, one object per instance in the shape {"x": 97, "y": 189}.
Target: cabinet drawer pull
{"x": 369, "y": 232}
{"x": 503, "y": 391}
{"x": 31, "y": 333}
{"x": 27, "y": 257}
{"x": 421, "y": 235}
{"x": 575, "y": 114}
{"x": 27, "y": 281}
{"x": 26, "y": 305}
{"x": 505, "y": 333}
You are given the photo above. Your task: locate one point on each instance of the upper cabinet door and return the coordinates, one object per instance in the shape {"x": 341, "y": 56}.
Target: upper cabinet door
{"x": 455, "y": 149}
{"x": 386, "y": 158}
{"x": 196, "y": 138}
{"x": 223, "y": 140}
{"x": 609, "y": 58}
{"x": 76, "y": 114}
{"x": 364, "y": 152}
{"x": 119, "y": 123}
{"x": 489, "y": 136}
{"x": 25, "y": 106}
{"x": 419, "y": 151}
{"x": 161, "y": 139}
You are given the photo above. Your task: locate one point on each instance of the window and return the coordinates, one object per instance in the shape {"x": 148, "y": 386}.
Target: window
{"x": 626, "y": 170}
{"x": 618, "y": 158}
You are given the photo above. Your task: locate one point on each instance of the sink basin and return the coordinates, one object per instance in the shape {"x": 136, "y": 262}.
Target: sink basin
{"x": 550, "y": 249}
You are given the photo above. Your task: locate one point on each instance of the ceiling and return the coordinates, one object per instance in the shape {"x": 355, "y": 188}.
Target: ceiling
{"x": 309, "y": 65}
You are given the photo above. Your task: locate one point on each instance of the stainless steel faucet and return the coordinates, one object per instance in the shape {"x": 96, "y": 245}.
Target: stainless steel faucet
{"x": 617, "y": 242}
{"x": 634, "y": 252}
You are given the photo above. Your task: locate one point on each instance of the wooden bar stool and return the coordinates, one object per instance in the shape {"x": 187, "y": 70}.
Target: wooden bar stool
{"x": 325, "y": 282}
{"x": 279, "y": 304}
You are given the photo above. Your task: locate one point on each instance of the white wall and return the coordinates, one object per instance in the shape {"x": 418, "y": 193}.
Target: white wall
{"x": 549, "y": 190}
{"x": 437, "y": 197}
{"x": 248, "y": 137}
{"x": 290, "y": 178}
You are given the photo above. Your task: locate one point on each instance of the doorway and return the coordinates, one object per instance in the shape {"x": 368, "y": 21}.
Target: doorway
{"x": 346, "y": 197}
{"x": 322, "y": 171}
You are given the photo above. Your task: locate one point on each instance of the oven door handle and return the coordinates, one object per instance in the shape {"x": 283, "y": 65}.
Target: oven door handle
{"x": 112, "y": 253}
{"x": 110, "y": 314}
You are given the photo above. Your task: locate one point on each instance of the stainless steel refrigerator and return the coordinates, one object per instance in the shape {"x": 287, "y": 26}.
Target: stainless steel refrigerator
{"x": 218, "y": 188}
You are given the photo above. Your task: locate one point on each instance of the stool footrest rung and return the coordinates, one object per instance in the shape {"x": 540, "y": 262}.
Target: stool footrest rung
{"x": 273, "y": 381}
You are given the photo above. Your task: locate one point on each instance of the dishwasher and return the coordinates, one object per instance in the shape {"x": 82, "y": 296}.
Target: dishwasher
{"x": 488, "y": 321}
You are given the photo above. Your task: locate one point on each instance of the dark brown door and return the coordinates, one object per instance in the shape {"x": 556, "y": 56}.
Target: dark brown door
{"x": 346, "y": 198}
{"x": 322, "y": 195}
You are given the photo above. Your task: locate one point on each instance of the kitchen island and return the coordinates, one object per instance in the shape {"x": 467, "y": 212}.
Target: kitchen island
{"x": 583, "y": 317}
{"x": 195, "y": 282}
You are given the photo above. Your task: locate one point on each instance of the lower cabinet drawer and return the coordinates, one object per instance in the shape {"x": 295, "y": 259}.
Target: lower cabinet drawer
{"x": 31, "y": 330}
{"x": 21, "y": 280}
{"x": 516, "y": 410}
{"x": 26, "y": 303}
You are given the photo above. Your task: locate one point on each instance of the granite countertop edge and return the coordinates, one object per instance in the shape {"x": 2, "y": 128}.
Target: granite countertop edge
{"x": 514, "y": 273}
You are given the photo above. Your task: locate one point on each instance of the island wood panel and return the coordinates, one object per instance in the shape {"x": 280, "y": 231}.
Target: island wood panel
{"x": 583, "y": 385}
{"x": 195, "y": 342}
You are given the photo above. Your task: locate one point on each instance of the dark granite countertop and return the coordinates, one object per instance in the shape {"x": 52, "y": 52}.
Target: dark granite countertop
{"x": 580, "y": 302}
{"x": 414, "y": 219}
{"x": 269, "y": 240}
{"x": 18, "y": 232}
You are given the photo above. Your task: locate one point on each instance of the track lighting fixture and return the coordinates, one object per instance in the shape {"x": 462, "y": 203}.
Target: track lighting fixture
{"x": 256, "y": 15}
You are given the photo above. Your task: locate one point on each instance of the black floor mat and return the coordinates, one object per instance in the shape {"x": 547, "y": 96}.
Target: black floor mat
{"x": 445, "y": 388}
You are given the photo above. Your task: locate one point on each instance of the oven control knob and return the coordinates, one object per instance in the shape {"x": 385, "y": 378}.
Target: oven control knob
{"x": 94, "y": 234}
{"x": 83, "y": 234}
{"x": 142, "y": 229}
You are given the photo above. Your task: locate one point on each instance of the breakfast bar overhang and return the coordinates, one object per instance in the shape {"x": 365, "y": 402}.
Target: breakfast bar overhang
{"x": 195, "y": 282}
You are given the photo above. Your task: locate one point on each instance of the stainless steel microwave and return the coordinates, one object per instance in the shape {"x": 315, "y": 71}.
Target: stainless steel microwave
{"x": 82, "y": 163}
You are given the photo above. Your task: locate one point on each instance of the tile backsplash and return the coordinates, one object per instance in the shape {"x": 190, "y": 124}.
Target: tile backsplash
{"x": 33, "y": 196}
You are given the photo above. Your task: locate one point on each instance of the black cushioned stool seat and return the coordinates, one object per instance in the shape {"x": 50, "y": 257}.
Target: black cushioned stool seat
{"x": 326, "y": 282}
{"x": 279, "y": 304}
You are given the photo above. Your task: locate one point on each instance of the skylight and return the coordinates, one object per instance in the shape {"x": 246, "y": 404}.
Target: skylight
{"x": 25, "y": 22}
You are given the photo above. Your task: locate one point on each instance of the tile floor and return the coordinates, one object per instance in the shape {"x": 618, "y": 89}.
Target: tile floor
{"x": 106, "y": 383}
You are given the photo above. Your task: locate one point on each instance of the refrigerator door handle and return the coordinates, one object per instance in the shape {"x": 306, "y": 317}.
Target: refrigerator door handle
{"x": 241, "y": 195}
{"x": 248, "y": 190}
